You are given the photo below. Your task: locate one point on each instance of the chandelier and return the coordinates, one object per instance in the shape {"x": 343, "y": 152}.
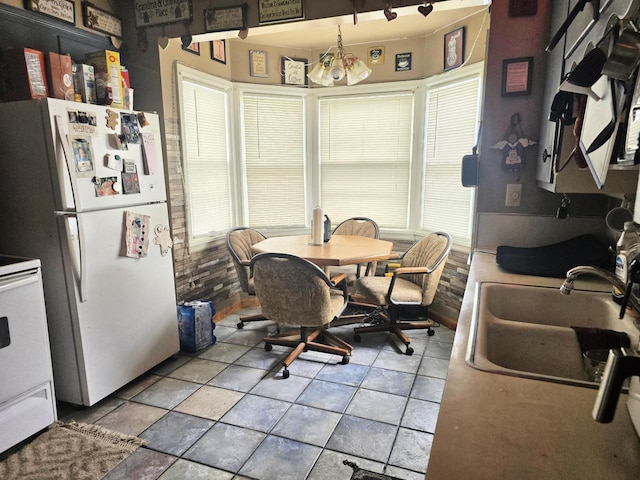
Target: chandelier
{"x": 333, "y": 68}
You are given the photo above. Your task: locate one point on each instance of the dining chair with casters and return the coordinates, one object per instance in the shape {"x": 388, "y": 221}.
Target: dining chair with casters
{"x": 362, "y": 227}
{"x": 409, "y": 288}
{"x": 239, "y": 241}
{"x": 293, "y": 291}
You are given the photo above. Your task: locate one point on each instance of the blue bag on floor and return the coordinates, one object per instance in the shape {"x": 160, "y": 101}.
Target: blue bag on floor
{"x": 196, "y": 325}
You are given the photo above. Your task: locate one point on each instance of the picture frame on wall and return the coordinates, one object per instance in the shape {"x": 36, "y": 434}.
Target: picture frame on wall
{"x": 101, "y": 21}
{"x": 403, "y": 62}
{"x": 516, "y": 76}
{"x": 193, "y": 47}
{"x": 258, "y": 63}
{"x": 60, "y": 9}
{"x": 223, "y": 19}
{"x": 375, "y": 56}
{"x": 454, "y": 48}
{"x": 294, "y": 71}
{"x": 219, "y": 51}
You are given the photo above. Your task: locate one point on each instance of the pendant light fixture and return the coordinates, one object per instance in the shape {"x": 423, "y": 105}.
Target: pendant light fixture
{"x": 333, "y": 68}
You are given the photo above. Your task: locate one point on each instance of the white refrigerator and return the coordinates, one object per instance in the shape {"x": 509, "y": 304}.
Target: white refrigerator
{"x": 82, "y": 188}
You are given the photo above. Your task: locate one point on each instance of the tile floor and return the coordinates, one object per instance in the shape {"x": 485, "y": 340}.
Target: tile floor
{"x": 227, "y": 413}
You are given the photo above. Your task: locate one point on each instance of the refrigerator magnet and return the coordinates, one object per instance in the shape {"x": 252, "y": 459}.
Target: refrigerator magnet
{"x": 114, "y": 162}
{"x": 130, "y": 127}
{"x": 163, "y": 238}
{"x": 106, "y": 186}
{"x": 82, "y": 155}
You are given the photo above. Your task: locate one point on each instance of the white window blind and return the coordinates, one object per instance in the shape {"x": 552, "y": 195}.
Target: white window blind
{"x": 365, "y": 148}
{"x": 204, "y": 123}
{"x": 273, "y": 140}
{"x": 452, "y": 118}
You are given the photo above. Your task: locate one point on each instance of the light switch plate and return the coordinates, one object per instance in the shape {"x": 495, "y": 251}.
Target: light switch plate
{"x": 514, "y": 195}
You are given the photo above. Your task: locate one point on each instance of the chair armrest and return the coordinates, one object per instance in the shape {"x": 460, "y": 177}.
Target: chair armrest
{"x": 338, "y": 278}
{"x": 411, "y": 270}
{"x": 245, "y": 263}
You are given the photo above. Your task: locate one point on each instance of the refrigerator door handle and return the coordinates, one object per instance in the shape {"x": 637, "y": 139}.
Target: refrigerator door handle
{"x": 73, "y": 239}
{"x": 67, "y": 156}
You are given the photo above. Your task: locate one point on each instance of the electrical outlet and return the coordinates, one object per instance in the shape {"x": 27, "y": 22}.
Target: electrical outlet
{"x": 514, "y": 195}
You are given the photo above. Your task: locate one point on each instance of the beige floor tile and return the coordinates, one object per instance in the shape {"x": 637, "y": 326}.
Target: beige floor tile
{"x": 199, "y": 370}
{"x": 132, "y": 418}
{"x": 209, "y": 402}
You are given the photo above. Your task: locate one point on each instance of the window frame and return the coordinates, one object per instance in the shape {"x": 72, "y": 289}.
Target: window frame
{"x": 311, "y": 148}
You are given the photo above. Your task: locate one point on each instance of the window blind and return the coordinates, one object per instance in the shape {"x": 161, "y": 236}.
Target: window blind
{"x": 204, "y": 114}
{"x": 365, "y": 145}
{"x": 451, "y": 129}
{"x": 273, "y": 142}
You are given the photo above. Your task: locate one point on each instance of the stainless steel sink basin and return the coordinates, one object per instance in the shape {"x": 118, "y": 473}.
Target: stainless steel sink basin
{"x": 525, "y": 331}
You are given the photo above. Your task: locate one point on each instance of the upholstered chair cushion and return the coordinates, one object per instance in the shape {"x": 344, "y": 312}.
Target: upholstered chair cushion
{"x": 362, "y": 227}
{"x": 240, "y": 241}
{"x": 296, "y": 293}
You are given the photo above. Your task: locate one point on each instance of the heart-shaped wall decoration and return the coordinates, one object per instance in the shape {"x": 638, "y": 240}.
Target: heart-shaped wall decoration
{"x": 425, "y": 9}
{"x": 390, "y": 15}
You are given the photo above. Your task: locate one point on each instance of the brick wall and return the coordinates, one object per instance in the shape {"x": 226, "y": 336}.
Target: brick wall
{"x": 208, "y": 274}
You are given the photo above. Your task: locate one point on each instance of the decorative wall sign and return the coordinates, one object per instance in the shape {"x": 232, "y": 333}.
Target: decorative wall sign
{"x": 225, "y": 18}
{"x": 294, "y": 71}
{"x": 219, "y": 51}
{"x": 258, "y": 63}
{"x": 270, "y": 11}
{"x": 61, "y": 9}
{"x": 102, "y": 21}
{"x": 158, "y": 12}
{"x": 454, "y": 49}
{"x": 376, "y": 56}
{"x": 523, "y": 8}
{"x": 403, "y": 62}
{"x": 516, "y": 76}
{"x": 193, "y": 47}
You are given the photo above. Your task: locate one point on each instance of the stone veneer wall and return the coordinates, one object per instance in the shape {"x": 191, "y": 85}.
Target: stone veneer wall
{"x": 208, "y": 274}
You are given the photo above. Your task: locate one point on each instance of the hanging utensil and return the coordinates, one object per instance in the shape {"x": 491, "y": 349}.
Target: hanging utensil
{"x": 595, "y": 4}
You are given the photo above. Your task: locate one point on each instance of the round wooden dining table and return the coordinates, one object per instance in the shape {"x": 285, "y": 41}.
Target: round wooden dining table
{"x": 339, "y": 250}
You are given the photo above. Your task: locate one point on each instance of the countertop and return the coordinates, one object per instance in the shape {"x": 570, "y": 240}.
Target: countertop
{"x": 493, "y": 426}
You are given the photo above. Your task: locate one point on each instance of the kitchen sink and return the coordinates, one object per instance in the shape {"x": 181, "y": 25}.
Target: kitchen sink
{"x": 525, "y": 331}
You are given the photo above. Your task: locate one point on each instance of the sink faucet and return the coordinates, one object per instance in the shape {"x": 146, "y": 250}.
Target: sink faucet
{"x": 634, "y": 267}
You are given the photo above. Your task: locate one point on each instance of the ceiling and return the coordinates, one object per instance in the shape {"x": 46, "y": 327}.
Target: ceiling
{"x": 371, "y": 27}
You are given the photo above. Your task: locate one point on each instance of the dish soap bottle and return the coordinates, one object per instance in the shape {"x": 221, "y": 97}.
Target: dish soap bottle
{"x": 629, "y": 240}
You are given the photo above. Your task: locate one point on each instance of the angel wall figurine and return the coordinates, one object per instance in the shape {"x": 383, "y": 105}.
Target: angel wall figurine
{"x": 513, "y": 145}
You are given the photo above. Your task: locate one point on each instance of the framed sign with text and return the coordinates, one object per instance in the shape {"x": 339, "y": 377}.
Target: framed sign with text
{"x": 258, "y": 63}
{"x": 294, "y": 71}
{"x": 225, "y": 18}
{"x": 100, "y": 20}
{"x": 61, "y": 9}
{"x": 149, "y": 13}
{"x": 270, "y": 11}
{"x": 516, "y": 76}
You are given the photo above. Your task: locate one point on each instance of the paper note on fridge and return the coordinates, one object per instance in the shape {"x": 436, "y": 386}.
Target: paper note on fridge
{"x": 149, "y": 153}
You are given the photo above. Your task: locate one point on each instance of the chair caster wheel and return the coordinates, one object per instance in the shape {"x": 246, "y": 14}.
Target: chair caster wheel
{"x": 345, "y": 360}
{"x": 431, "y": 333}
{"x": 240, "y": 325}
{"x": 409, "y": 351}
{"x": 285, "y": 374}
{"x": 357, "y": 337}
{"x": 268, "y": 347}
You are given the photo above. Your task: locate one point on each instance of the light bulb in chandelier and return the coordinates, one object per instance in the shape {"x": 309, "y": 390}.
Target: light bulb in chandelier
{"x": 337, "y": 70}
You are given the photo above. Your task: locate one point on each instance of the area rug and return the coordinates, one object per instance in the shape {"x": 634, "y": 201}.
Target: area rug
{"x": 73, "y": 451}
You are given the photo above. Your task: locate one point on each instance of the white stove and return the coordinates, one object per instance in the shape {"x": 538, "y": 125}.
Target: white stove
{"x": 27, "y": 402}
